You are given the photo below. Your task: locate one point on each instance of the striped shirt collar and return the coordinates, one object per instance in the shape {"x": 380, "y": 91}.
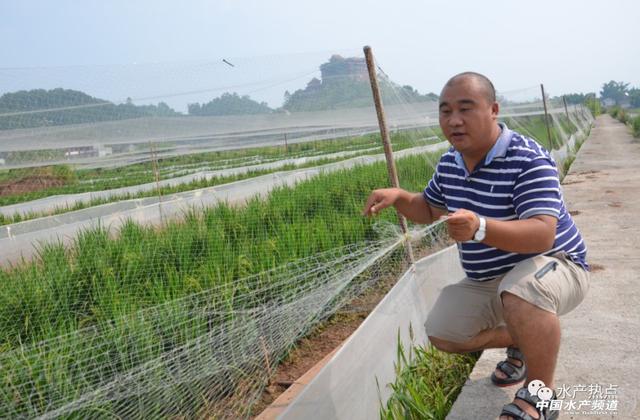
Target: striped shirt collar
{"x": 499, "y": 148}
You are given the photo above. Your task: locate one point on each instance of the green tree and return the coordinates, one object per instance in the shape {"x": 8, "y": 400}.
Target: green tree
{"x": 229, "y": 104}
{"x": 40, "y": 107}
{"x": 576, "y": 98}
{"x": 615, "y": 91}
{"x": 634, "y": 97}
{"x": 593, "y": 104}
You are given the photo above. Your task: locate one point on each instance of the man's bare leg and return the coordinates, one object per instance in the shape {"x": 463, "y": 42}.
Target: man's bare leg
{"x": 534, "y": 331}
{"x": 493, "y": 338}
{"x": 537, "y": 334}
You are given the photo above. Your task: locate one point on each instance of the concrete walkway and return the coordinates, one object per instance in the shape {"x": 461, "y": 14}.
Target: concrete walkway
{"x": 600, "y": 338}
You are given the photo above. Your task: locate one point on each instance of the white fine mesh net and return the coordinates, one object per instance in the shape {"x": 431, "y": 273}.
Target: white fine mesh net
{"x": 169, "y": 231}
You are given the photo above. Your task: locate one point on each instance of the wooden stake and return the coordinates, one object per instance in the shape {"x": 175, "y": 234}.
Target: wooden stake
{"x": 156, "y": 173}
{"x": 564, "y": 100}
{"x": 546, "y": 116}
{"x": 386, "y": 144}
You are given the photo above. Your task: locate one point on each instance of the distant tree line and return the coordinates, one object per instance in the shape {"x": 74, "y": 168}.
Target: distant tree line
{"x": 40, "y": 107}
{"x": 578, "y": 98}
{"x": 229, "y": 104}
{"x": 612, "y": 93}
{"x": 620, "y": 93}
{"x": 344, "y": 84}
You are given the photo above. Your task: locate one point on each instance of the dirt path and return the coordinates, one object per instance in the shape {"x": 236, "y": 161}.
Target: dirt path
{"x": 600, "y": 338}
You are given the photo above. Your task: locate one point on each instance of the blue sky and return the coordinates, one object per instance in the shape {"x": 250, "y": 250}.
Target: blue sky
{"x": 571, "y": 46}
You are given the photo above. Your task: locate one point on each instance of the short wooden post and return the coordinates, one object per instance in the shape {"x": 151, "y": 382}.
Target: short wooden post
{"x": 386, "y": 144}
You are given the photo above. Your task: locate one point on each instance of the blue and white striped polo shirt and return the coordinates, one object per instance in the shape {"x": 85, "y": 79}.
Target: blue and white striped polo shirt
{"x": 517, "y": 180}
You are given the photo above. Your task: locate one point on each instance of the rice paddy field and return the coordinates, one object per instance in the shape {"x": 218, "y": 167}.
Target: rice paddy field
{"x": 82, "y": 181}
{"x": 97, "y": 312}
{"x": 102, "y": 278}
{"x": 86, "y": 180}
{"x": 145, "y": 266}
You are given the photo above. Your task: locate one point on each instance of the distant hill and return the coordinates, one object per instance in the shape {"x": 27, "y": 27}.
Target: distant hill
{"x": 28, "y": 109}
{"x": 345, "y": 84}
{"x": 230, "y": 104}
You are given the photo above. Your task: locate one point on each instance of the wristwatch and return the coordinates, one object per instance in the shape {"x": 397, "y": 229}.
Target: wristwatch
{"x": 482, "y": 230}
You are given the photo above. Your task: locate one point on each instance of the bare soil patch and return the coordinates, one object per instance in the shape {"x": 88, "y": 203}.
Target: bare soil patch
{"x": 30, "y": 184}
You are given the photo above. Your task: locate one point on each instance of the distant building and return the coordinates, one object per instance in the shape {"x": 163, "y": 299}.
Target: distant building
{"x": 104, "y": 150}
{"x": 623, "y": 103}
{"x": 314, "y": 85}
{"x": 80, "y": 152}
{"x": 354, "y": 68}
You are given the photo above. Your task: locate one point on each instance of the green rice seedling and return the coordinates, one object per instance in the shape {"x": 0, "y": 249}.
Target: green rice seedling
{"x": 102, "y": 277}
{"x": 427, "y": 383}
{"x": 535, "y": 127}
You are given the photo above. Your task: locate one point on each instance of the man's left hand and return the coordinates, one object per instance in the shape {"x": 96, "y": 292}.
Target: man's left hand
{"x": 462, "y": 225}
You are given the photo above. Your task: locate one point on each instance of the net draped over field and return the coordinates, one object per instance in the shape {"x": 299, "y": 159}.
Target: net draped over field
{"x": 162, "y": 250}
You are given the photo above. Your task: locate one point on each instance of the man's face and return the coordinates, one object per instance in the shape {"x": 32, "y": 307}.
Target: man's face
{"x": 467, "y": 118}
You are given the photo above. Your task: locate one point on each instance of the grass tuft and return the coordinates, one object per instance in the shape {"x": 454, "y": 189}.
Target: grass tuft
{"x": 427, "y": 383}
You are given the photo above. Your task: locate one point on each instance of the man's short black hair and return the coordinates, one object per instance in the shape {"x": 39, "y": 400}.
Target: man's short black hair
{"x": 490, "y": 91}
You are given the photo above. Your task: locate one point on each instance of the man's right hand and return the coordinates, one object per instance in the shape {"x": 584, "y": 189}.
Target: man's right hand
{"x": 412, "y": 205}
{"x": 379, "y": 200}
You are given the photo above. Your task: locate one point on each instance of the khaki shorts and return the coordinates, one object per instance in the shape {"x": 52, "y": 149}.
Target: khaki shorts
{"x": 463, "y": 309}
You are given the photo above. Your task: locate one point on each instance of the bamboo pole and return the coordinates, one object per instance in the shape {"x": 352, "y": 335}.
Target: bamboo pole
{"x": 386, "y": 143}
{"x": 546, "y": 116}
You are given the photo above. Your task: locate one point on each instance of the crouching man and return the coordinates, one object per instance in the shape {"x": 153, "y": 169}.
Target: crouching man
{"x": 523, "y": 256}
